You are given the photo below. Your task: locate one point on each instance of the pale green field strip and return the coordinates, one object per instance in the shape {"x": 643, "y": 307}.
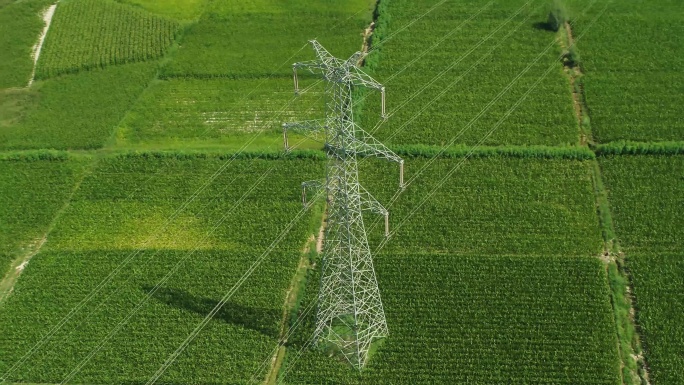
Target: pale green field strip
{"x": 634, "y": 70}
{"x": 479, "y": 319}
{"x": 112, "y": 213}
{"x": 182, "y": 113}
{"x": 545, "y": 118}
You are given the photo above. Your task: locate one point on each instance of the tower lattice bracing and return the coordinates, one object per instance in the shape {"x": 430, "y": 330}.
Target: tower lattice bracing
{"x": 350, "y": 314}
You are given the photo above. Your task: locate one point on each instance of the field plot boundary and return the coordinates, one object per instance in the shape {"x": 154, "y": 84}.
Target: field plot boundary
{"x": 632, "y": 370}
{"x": 633, "y": 365}
{"x": 639, "y": 148}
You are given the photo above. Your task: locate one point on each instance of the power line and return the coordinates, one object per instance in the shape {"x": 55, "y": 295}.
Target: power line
{"x": 169, "y": 361}
{"x": 496, "y": 125}
{"x": 455, "y": 168}
{"x": 53, "y": 330}
{"x": 442, "y": 2}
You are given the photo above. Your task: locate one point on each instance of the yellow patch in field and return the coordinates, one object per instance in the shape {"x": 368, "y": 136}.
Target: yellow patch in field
{"x": 132, "y": 226}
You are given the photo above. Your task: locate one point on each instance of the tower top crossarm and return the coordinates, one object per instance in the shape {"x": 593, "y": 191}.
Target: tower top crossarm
{"x": 338, "y": 71}
{"x": 335, "y": 69}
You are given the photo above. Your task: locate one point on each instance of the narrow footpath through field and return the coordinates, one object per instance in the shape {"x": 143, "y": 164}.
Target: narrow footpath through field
{"x": 17, "y": 266}
{"x": 313, "y": 245}
{"x": 47, "y": 19}
{"x": 632, "y": 363}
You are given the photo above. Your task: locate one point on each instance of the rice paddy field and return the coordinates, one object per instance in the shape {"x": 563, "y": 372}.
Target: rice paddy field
{"x": 151, "y": 220}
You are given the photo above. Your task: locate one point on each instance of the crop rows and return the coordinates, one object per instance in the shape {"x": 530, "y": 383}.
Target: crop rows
{"x": 480, "y": 319}
{"x": 647, "y": 201}
{"x": 116, "y": 209}
{"x": 634, "y": 70}
{"x": 96, "y": 33}
{"x": 32, "y": 192}
{"x": 493, "y": 280}
{"x": 495, "y": 205}
{"x": 177, "y": 9}
{"x": 192, "y": 107}
{"x": 658, "y": 283}
{"x": 471, "y": 79}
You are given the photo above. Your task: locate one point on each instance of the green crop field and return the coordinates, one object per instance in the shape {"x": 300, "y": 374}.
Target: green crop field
{"x": 231, "y": 39}
{"x": 521, "y": 206}
{"x": 37, "y": 189}
{"x": 76, "y": 111}
{"x": 151, "y": 219}
{"x": 207, "y": 112}
{"x": 81, "y": 252}
{"x": 635, "y": 71}
{"x": 98, "y": 33}
{"x": 647, "y": 201}
{"x": 647, "y": 197}
{"x": 435, "y": 110}
{"x": 176, "y": 9}
{"x": 20, "y": 24}
{"x": 658, "y": 286}
{"x": 482, "y": 319}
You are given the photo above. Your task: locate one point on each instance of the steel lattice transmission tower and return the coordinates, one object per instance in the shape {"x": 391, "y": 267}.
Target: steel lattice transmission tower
{"x": 350, "y": 315}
